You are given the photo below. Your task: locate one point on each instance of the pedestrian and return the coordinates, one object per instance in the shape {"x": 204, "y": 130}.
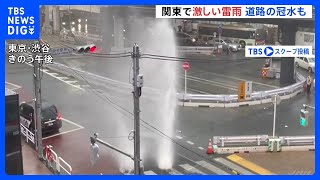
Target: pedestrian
{"x": 309, "y": 83}
{"x": 94, "y": 151}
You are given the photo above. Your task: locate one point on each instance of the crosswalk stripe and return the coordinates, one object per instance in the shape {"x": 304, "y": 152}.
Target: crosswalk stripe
{"x": 45, "y": 70}
{"x": 191, "y": 169}
{"x": 149, "y": 173}
{"x": 249, "y": 165}
{"x": 201, "y": 148}
{"x": 175, "y": 172}
{"x": 212, "y": 168}
{"x": 179, "y": 137}
{"x": 233, "y": 166}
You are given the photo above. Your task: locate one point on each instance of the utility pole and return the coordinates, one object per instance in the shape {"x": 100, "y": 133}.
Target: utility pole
{"x": 38, "y": 126}
{"x": 70, "y": 26}
{"x": 137, "y": 85}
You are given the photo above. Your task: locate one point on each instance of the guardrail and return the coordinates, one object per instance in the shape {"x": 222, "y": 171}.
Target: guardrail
{"x": 240, "y": 140}
{"x": 53, "y": 162}
{"x": 262, "y": 143}
{"x": 232, "y": 100}
{"x": 27, "y": 133}
{"x": 297, "y": 140}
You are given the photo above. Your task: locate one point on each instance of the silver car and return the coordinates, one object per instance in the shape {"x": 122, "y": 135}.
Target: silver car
{"x": 225, "y": 44}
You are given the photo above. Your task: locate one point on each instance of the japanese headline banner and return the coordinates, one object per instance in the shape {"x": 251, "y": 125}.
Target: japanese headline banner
{"x": 234, "y": 11}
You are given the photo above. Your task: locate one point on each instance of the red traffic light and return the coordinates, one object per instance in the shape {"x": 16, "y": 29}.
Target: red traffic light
{"x": 93, "y": 49}
{"x": 88, "y": 48}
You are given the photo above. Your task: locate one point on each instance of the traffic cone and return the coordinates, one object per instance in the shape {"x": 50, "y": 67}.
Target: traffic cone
{"x": 210, "y": 149}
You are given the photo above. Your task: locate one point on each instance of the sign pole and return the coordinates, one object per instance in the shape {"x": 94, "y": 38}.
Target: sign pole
{"x": 274, "y": 117}
{"x": 185, "y": 81}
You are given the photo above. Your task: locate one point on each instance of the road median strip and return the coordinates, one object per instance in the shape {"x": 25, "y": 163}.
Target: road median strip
{"x": 249, "y": 165}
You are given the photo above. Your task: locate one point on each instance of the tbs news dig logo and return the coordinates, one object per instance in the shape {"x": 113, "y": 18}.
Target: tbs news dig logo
{"x": 19, "y": 23}
{"x": 278, "y": 51}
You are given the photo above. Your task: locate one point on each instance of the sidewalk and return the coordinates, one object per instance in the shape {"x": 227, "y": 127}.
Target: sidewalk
{"x": 74, "y": 148}
{"x": 31, "y": 164}
{"x": 283, "y": 163}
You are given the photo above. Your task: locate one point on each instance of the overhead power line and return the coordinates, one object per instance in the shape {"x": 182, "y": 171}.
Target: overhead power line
{"x": 146, "y": 125}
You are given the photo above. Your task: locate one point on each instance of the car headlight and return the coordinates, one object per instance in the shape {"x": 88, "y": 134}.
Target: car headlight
{"x": 193, "y": 40}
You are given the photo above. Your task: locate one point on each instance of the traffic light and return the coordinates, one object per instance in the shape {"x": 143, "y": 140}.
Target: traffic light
{"x": 304, "y": 116}
{"x": 87, "y": 48}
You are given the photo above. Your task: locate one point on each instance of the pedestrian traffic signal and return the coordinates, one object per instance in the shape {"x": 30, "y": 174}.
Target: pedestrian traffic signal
{"x": 87, "y": 48}
{"x": 304, "y": 116}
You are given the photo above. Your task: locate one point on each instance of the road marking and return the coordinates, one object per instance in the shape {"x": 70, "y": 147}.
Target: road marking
{"x": 212, "y": 168}
{"x": 233, "y": 166}
{"x": 11, "y": 84}
{"x": 179, "y": 137}
{"x": 58, "y": 134}
{"x": 54, "y": 74}
{"x": 239, "y": 79}
{"x": 149, "y": 173}
{"x": 50, "y": 74}
{"x": 189, "y": 142}
{"x": 78, "y": 125}
{"x": 63, "y": 78}
{"x": 174, "y": 172}
{"x": 128, "y": 85}
{"x": 187, "y": 158}
{"x": 201, "y": 148}
{"x": 45, "y": 70}
{"x": 249, "y": 165}
{"x": 213, "y": 83}
{"x": 191, "y": 169}
{"x": 195, "y": 90}
{"x": 71, "y": 82}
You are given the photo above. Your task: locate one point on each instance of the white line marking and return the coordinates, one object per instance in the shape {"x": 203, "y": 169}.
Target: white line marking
{"x": 72, "y": 122}
{"x": 189, "y": 142}
{"x": 50, "y": 74}
{"x": 71, "y": 82}
{"x": 179, "y": 137}
{"x": 212, "y": 168}
{"x": 213, "y": 84}
{"x": 63, "y": 78}
{"x": 54, "y": 74}
{"x": 202, "y": 92}
{"x": 17, "y": 87}
{"x": 174, "y": 172}
{"x": 187, "y": 158}
{"x": 191, "y": 169}
{"x": 45, "y": 70}
{"x": 239, "y": 79}
{"x": 149, "y": 173}
{"x": 62, "y": 133}
{"x": 201, "y": 148}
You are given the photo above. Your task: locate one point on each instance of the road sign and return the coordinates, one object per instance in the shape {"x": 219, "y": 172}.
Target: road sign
{"x": 242, "y": 91}
{"x": 186, "y": 66}
{"x": 248, "y": 90}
